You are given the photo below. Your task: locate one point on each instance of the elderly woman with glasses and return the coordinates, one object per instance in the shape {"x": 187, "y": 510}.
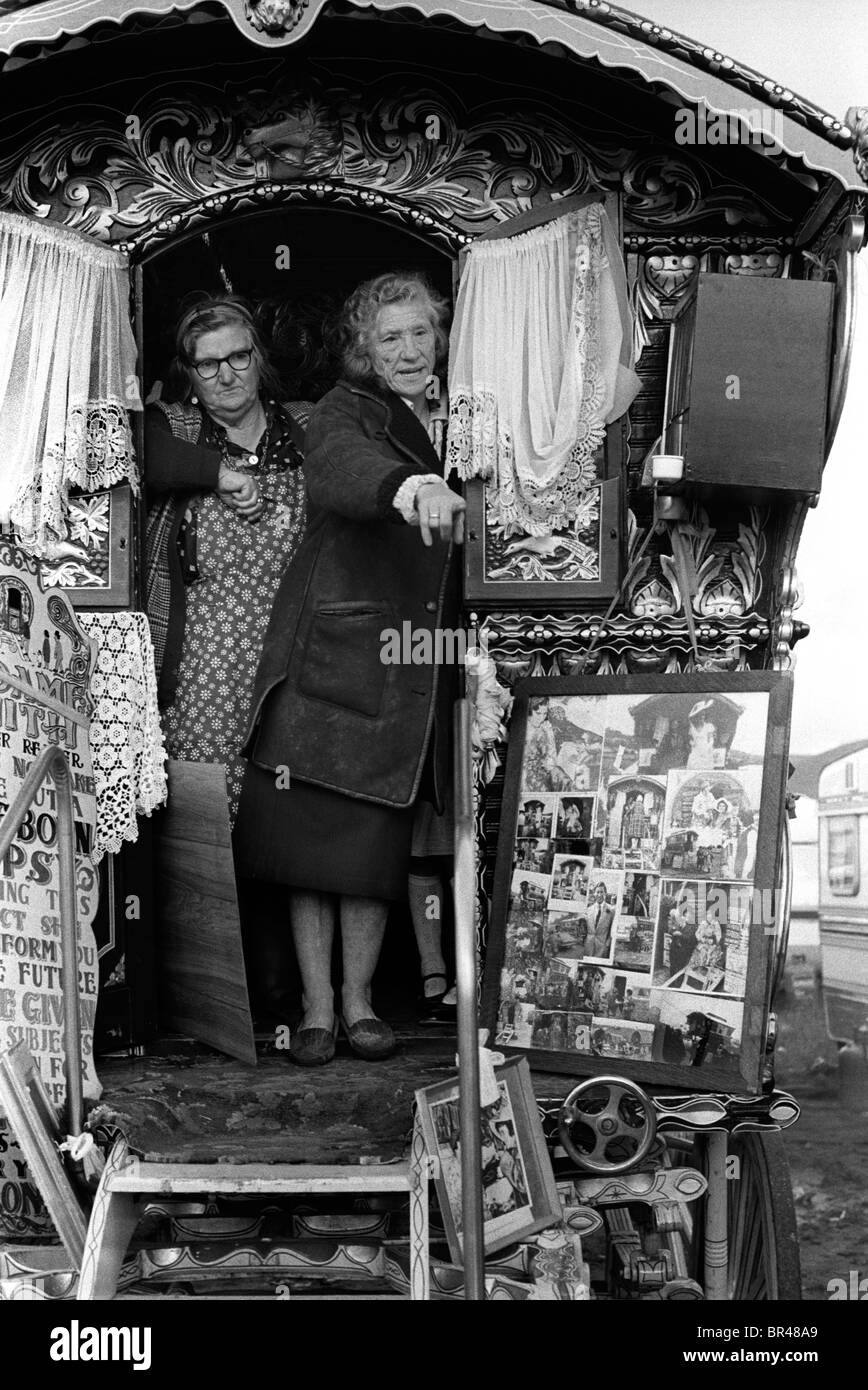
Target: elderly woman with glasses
{"x": 224, "y": 478}
{"x": 364, "y": 739}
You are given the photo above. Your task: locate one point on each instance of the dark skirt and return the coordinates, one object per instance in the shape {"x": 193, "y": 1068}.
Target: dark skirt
{"x": 308, "y": 837}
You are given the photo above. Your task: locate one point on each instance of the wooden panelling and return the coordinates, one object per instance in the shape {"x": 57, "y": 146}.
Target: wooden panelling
{"x": 203, "y": 986}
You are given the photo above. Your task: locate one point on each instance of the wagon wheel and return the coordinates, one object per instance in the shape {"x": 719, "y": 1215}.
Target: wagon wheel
{"x": 763, "y": 1239}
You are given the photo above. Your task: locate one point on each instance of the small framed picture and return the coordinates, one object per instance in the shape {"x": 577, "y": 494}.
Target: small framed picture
{"x": 570, "y": 566}
{"x": 96, "y": 565}
{"x": 519, "y": 1195}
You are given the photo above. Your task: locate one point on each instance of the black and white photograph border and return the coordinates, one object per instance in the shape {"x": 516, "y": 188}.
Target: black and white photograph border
{"x": 710, "y": 822}
{"x": 708, "y": 521}
{"x": 516, "y": 1168}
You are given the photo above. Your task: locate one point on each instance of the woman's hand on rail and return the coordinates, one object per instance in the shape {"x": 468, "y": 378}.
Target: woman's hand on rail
{"x": 440, "y": 512}
{"x": 241, "y": 492}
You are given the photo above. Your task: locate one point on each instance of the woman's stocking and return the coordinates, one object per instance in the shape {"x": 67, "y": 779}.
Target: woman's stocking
{"x": 313, "y": 928}
{"x": 425, "y": 892}
{"x": 363, "y": 926}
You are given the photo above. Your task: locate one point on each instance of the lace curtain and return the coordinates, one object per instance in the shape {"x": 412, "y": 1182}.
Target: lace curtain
{"x": 126, "y": 740}
{"x": 539, "y": 364}
{"x": 67, "y": 374}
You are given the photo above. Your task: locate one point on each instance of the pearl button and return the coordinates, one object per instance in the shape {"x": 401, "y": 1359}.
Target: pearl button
{"x": 254, "y": 458}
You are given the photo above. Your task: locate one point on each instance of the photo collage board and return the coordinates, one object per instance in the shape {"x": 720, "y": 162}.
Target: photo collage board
{"x": 635, "y": 897}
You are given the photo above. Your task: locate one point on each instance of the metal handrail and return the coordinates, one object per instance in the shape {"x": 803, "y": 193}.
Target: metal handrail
{"x": 53, "y": 762}
{"x": 468, "y": 1023}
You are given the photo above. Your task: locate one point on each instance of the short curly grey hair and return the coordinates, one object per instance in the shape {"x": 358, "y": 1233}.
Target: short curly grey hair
{"x": 359, "y": 317}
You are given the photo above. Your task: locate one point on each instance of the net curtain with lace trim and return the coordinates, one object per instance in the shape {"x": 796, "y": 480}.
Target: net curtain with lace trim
{"x": 539, "y": 363}
{"x": 67, "y": 374}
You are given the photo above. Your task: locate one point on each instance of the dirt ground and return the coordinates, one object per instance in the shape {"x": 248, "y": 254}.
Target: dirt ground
{"x": 828, "y": 1146}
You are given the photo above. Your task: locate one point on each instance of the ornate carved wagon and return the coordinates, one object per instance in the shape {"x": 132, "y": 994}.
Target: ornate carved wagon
{"x": 305, "y": 143}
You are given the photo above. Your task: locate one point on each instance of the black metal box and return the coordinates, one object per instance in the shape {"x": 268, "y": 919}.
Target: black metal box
{"x": 747, "y": 384}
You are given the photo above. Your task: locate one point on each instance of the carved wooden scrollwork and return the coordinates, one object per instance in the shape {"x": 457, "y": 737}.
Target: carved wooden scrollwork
{"x": 661, "y": 282}
{"x": 672, "y": 190}
{"x": 308, "y": 137}
{"x": 649, "y": 633}
{"x": 183, "y": 155}
{"x": 767, "y": 266}
{"x": 789, "y": 598}
{"x": 728, "y": 573}
{"x": 669, "y": 277}
{"x": 857, "y": 120}
{"x": 567, "y": 646}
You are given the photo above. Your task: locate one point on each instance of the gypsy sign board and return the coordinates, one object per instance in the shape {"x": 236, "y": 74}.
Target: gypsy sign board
{"x": 45, "y": 668}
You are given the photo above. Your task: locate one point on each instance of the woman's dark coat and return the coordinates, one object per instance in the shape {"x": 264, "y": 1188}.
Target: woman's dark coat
{"x": 325, "y": 705}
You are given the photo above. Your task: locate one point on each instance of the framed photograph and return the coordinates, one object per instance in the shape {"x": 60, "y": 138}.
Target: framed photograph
{"x": 518, "y": 1188}
{"x": 639, "y": 927}
{"x": 97, "y": 570}
{"x": 560, "y": 570}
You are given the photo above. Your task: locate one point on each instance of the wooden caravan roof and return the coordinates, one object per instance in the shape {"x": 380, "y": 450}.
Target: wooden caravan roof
{"x": 584, "y": 30}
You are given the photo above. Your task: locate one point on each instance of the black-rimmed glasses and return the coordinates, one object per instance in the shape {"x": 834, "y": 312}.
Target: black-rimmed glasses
{"x": 210, "y": 366}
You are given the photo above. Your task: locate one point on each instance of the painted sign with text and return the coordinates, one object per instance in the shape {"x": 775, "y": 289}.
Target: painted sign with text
{"x": 45, "y": 668}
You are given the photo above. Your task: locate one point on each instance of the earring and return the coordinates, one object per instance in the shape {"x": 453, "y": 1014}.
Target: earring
{"x": 194, "y": 400}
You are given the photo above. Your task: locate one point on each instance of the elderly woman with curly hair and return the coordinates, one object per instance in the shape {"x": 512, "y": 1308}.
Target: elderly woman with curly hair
{"x": 349, "y": 752}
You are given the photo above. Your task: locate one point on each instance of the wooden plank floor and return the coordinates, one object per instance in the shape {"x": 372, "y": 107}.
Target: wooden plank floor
{"x": 207, "y": 1108}
{"x": 190, "y": 1105}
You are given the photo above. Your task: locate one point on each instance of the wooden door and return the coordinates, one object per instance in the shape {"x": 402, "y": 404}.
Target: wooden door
{"x": 203, "y": 984}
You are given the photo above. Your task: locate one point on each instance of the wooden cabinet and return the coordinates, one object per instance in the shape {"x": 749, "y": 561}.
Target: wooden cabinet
{"x": 747, "y": 384}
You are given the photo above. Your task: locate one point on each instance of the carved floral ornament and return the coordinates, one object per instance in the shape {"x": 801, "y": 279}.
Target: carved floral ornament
{"x": 184, "y": 155}
{"x": 728, "y": 575}
{"x": 649, "y": 634}
{"x": 663, "y": 648}
{"x": 857, "y": 121}
{"x": 275, "y": 16}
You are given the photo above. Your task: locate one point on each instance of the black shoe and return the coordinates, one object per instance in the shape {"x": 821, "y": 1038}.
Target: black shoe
{"x": 313, "y": 1047}
{"x": 432, "y": 1009}
{"x": 370, "y": 1038}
